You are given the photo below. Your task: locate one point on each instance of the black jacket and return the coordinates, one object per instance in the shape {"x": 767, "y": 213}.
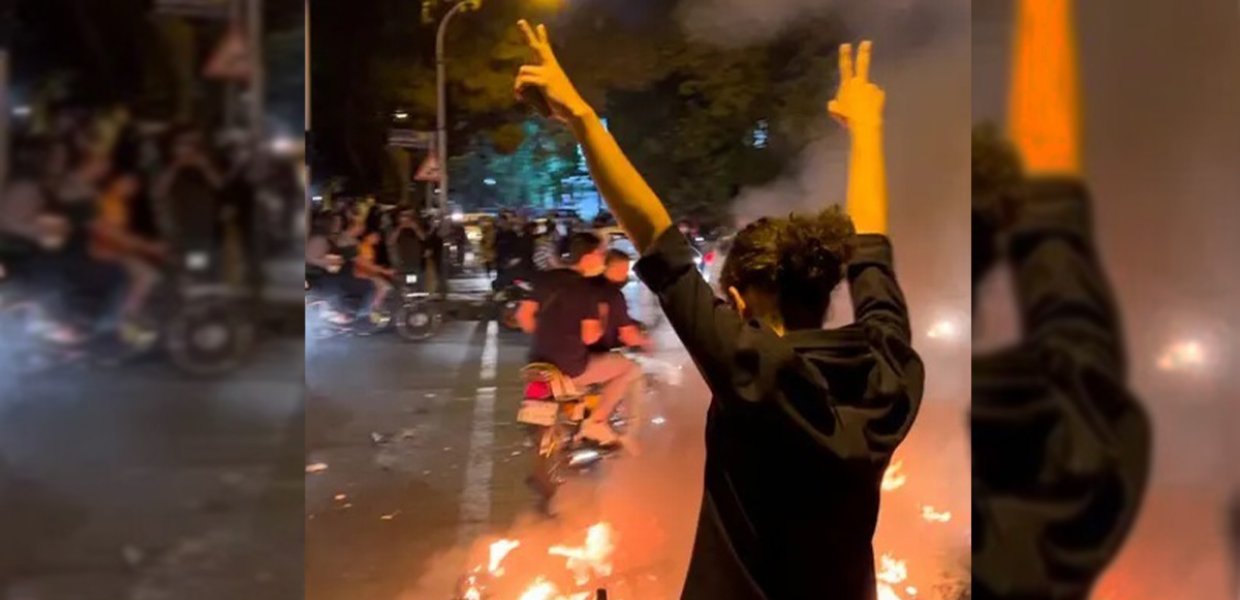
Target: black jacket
{"x": 1060, "y": 447}
{"x": 799, "y": 433}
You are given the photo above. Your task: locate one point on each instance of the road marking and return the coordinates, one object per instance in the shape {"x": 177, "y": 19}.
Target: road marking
{"x": 476, "y": 495}
{"x": 490, "y": 352}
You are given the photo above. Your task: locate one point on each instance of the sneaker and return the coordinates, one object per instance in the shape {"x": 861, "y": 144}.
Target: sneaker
{"x": 600, "y": 433}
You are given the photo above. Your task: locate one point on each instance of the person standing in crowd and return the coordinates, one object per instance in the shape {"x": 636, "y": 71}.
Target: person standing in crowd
{"x": 803, "y": 421}
{"x": 407, "y": 245}
{"x": 435, "y": 275}
{"x": 486, "y": 247}
{"x": 546, "y": 256}
{"x": 505, "y": 249}
{"x": 188, "y": 191}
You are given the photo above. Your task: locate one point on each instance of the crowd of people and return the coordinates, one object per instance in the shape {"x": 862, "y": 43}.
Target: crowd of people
{"x": 99, "y": 207}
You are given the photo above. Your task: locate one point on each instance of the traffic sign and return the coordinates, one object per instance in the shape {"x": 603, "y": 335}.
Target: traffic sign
{"x": 231, "y": 59}
{"x": 430, "y": 169}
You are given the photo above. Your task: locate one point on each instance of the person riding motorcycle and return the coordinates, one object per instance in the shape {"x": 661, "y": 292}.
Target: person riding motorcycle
{"x": 563, "y": 317}
{"x": 114, "y": 240}
{"x": 367, "y": 265}
{"x": 620, "y": 330}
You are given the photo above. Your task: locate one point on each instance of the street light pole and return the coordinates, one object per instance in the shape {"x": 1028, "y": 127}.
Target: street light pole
{"x": 441, "y": 136}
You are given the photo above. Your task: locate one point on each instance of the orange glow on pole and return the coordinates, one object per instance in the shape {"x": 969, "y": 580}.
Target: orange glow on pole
{"x": 1044, "y": 101}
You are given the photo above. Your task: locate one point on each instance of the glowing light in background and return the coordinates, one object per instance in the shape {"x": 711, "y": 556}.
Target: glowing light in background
{"x": 283, "y": 145}
{"x": 1183, "y": 355}
{"x": 490, "y": 181}
{"x": 943, "y": 329}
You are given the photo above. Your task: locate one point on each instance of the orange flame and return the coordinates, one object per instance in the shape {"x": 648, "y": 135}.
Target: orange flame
{"x": 542, "y": 589}
{"x": 592, "y": 559}
{"x": 472, "y": 593}
{"x": 890, "y": 574}
{"x": 499, "y": 550}
{"x": 893, "y": 479}
{"x": 930, "y": 514}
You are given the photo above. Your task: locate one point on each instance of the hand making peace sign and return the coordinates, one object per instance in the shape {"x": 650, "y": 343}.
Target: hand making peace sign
{"x": 859, "y": 102}
{"x": 546, "y": 75}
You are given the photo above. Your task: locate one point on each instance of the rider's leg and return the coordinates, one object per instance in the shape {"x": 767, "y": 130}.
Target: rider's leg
{"x": 142, "y": 277}
{"x": 617, "y": 374}
{"x": 382, "y": 289}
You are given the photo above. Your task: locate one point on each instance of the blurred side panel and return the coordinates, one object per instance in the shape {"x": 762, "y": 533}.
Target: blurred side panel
{"x": 151, "y": 347}
{"x": 1159, "y": 145}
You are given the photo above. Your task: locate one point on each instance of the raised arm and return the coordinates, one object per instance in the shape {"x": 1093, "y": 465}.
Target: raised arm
{"x": 629, "y": 197}
{"x": 1044, "y": 104}
{"x": 858, "y": 105}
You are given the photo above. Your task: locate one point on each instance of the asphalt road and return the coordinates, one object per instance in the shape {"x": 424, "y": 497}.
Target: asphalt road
{"x": 423, "y": 464}
{"x": 137, "y": 483}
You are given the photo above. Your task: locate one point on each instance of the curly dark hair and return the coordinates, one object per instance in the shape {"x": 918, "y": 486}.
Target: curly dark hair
{"x": 998, "y": 181}
{"x": 800, "y": 259}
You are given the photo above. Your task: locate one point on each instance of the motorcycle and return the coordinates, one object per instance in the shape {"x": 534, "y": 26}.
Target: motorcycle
{"x": 553, "y": 411}
{"x": 415, "y": 314}
{"x": 201, "y": 327}
{"x": 418, "y": 316}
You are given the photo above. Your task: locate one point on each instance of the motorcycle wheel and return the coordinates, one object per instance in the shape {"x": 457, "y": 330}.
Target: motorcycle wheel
{"x": 550, "y": 444}
{"x": 209, "y": 337}
{"x": 418, "y": 321}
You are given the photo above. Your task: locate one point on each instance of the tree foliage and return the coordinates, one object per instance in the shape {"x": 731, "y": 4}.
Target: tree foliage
{"x": 685, "y": 110}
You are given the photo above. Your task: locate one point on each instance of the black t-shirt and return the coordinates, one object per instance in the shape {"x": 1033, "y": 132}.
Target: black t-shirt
{"x": 565, "y": 299}
{"x": 611, "y": 299}
{"x": 799, "y": 432}
{"x": 409, "y": 249}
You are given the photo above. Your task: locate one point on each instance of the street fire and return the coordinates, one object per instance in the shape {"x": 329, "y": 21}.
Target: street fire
{"x": 592, "y": 559}
{"x": 586, "y": 562}
{"x": 930, "y": 514}
{"x": 893, "y": 479}
{"x": 891, "y": 574}
{"x": 542, "y": 589}
{"x": 499, "y": 550}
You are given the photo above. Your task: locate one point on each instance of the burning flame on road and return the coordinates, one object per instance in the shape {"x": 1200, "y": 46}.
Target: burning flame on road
{"x": 589, "y": 561}
{"x": 891, "y": 574}
{"x": 893, "y": 479}
{"x": 930, "y": 514}
{"x": 499, "y": 550}
{"x": 592, "y": 559}
{"x": 542, "y": 589}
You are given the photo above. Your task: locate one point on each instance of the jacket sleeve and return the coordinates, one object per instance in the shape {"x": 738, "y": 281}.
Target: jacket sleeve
{"x": 893, "y": 392}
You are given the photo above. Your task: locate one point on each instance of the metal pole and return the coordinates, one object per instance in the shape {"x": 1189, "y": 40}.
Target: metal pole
{"x": 4, "y": 117}
{"x": 441, "y": 136}
{"x": 258, "y": 89}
